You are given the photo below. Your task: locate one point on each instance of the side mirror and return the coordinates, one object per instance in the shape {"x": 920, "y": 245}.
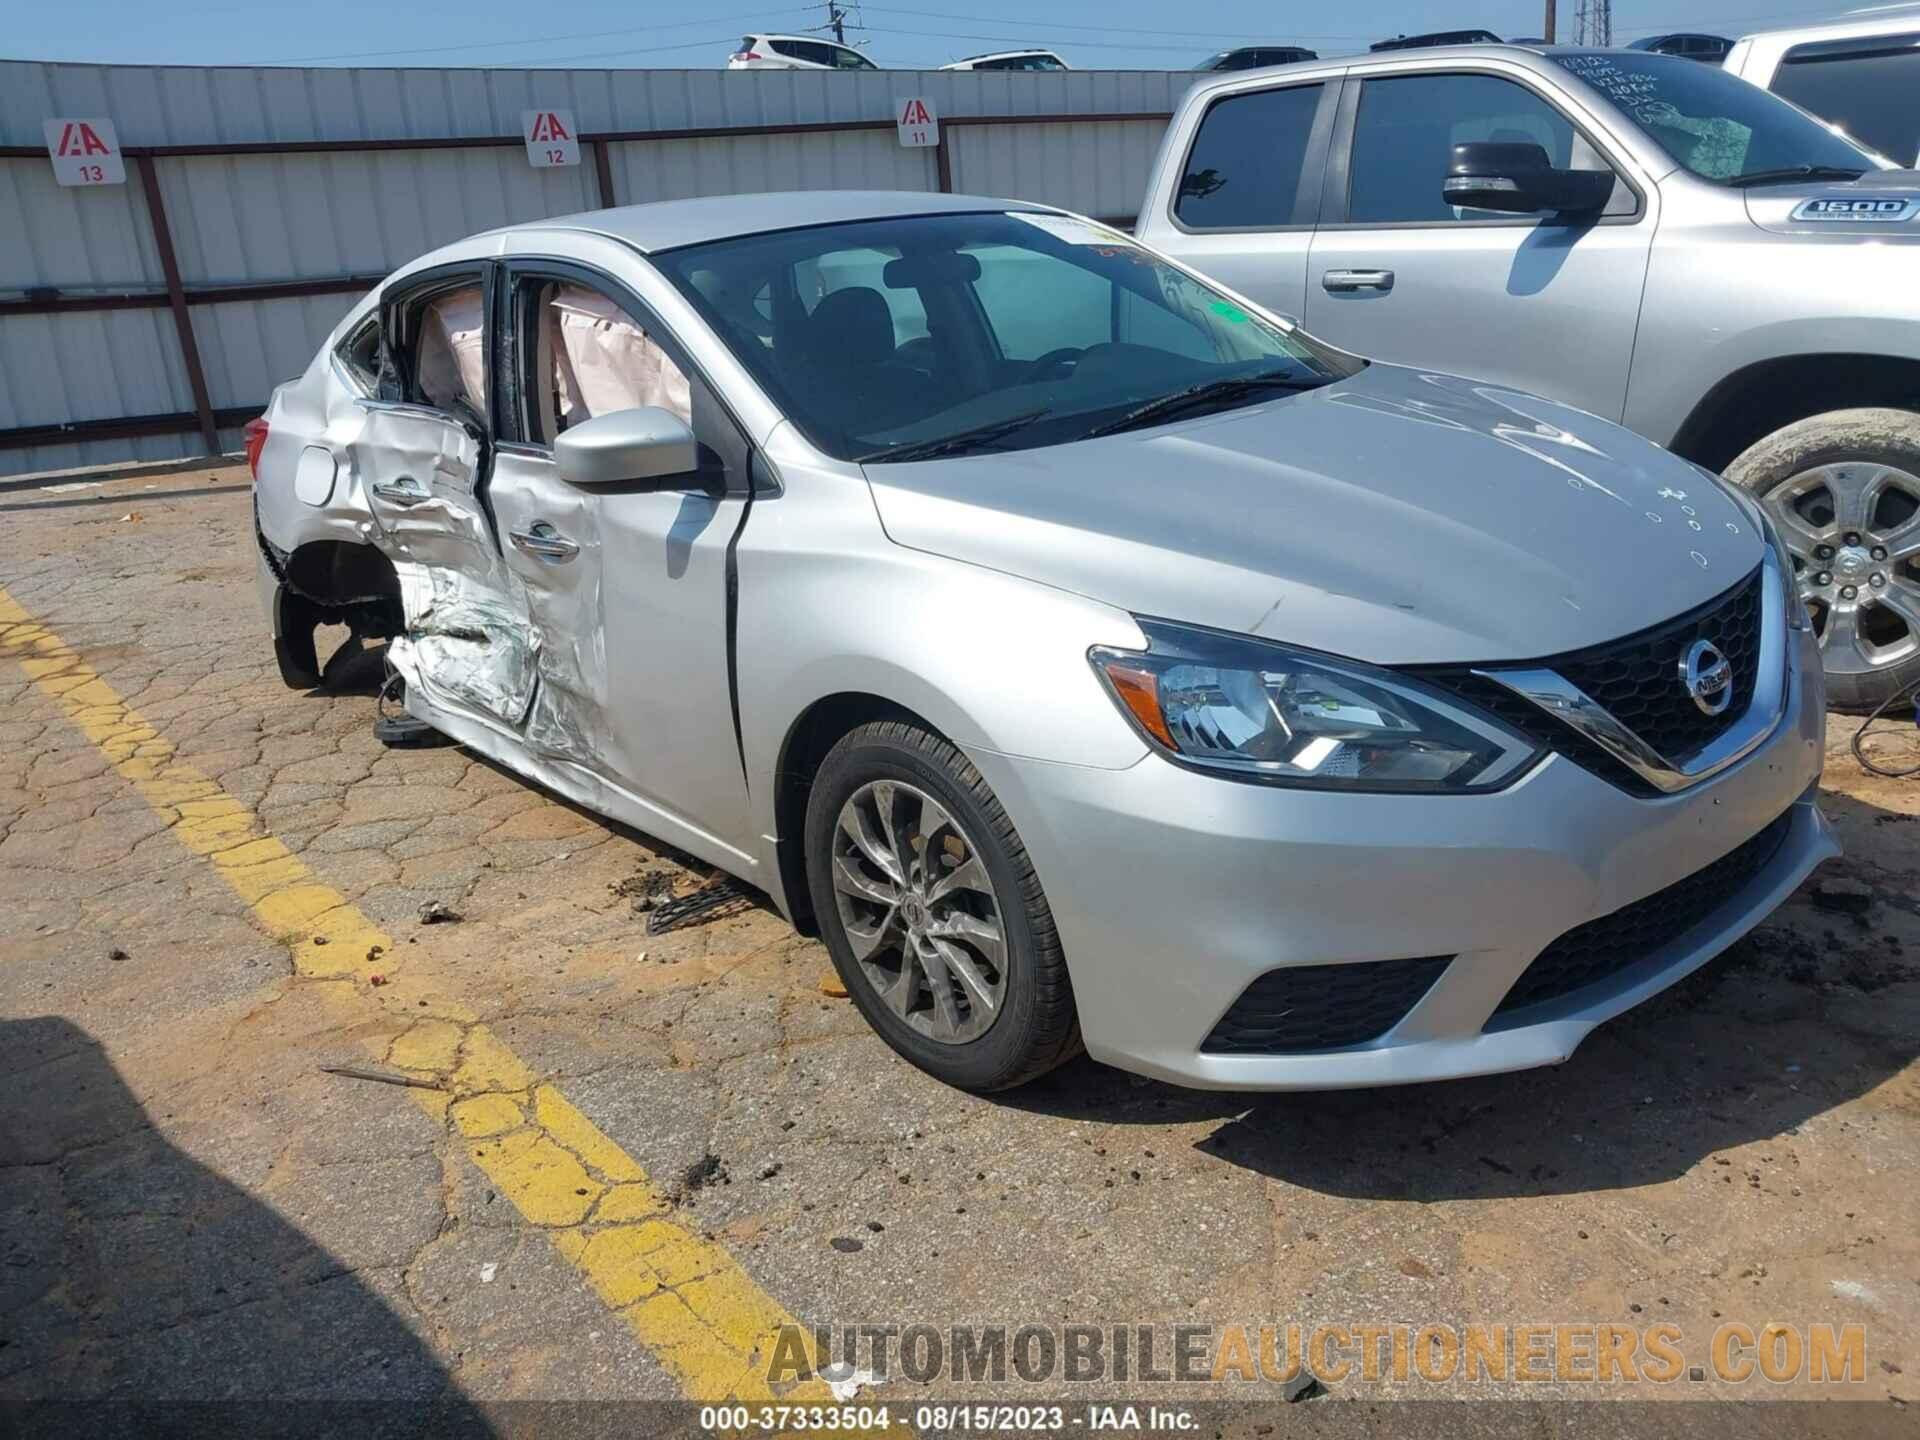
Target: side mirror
{"x": 628, "y": 447}
{"x": 1519, "y": 179}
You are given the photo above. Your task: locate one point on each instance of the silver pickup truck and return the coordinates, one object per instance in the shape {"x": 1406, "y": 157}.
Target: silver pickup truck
{"x": 1651, "y": 239}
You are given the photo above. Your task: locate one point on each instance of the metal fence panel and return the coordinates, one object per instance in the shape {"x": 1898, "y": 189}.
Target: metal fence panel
{"x": 328, "y": 217}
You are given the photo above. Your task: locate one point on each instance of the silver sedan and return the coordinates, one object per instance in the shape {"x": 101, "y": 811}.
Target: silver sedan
{"x": 1088, "y": 655}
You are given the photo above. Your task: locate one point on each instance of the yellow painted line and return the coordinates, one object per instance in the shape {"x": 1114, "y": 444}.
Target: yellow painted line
{"x": 683, "y": 1296}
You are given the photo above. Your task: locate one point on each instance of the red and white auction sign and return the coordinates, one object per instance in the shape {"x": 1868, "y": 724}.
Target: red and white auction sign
{"x": 918, "y": 121}
{"x": 551, "y": 138}
{"x": 85, "y": 152}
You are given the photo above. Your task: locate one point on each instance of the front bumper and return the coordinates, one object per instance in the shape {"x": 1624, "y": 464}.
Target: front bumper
{"x": 1173, "y": 891}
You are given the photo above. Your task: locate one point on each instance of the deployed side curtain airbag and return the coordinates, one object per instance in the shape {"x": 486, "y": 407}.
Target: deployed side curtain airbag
{"x": 453, "y": 359}
{"x": 603, "y": 362}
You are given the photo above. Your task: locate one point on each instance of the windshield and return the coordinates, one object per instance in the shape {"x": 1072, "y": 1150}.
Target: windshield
{"x": 1717, "y": 125}
{"x": 988, "y": 331}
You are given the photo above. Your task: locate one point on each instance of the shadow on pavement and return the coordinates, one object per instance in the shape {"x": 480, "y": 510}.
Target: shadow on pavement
{"x": 1810, "y": 1011}
{"x": 141, "y": 1293}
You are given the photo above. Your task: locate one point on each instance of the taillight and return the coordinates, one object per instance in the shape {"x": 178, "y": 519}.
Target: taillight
{"x": 745, "y": 55}
{"x": 256, "y": 433}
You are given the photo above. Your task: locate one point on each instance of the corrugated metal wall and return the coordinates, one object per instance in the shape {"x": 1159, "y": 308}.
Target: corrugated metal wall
{"x": 238, "y": 219}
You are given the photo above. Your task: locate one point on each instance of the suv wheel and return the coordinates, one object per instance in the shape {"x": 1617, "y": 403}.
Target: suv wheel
{"x": 1844, "y": 490}
{"x": 932, "y": 912}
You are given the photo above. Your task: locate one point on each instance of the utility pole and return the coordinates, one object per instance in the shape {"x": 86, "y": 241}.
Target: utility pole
{"x": 1546, "y": 29}
{"x": 837, "y": 18}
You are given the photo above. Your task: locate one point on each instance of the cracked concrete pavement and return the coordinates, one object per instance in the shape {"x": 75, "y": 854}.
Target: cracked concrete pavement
{"x": 190, "y": 1208}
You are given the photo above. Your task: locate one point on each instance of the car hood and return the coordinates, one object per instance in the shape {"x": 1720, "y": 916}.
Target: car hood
{"x": 1400, "y": 517}
{"x": 1881, "y": 204}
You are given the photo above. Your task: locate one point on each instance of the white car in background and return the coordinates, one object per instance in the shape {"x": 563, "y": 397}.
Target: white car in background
{"x": 1861, "y": 72}
{"x": 1011, "y": 60}
{"x": 795, "y": 52}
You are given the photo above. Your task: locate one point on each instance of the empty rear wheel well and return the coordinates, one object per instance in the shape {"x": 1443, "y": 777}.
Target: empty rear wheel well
{"x": 820, "y": 727}
{"x": 1751, "y": 404}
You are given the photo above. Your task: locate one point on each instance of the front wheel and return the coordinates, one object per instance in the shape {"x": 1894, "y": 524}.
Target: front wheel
{"x": 932, "y": 913}
{"x": 1843, "y": 489}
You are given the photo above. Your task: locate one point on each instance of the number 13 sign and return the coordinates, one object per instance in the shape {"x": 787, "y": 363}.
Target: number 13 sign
{"x": 85, "y": 152}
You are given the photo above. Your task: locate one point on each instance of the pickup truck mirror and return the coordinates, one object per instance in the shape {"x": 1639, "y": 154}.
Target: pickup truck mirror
{"x": 1519, "y": 179}
{"x": 646, "y": 448}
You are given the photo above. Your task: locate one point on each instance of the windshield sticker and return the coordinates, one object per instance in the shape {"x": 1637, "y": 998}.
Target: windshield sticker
{"x": 1231, "y": 313}
{"x": 1836, "y": 207}
{"x": 1074, "y": 230}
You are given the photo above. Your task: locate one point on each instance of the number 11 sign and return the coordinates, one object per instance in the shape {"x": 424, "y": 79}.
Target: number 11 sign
{"x": 918, "y": 122}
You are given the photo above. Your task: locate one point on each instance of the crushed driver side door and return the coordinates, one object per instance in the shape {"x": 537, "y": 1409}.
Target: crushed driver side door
{"x": 422, "y": 459}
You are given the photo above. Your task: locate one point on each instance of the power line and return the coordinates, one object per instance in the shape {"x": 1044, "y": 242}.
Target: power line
{"x": 1202, "y": 35}
{"x": 544, "y": 39}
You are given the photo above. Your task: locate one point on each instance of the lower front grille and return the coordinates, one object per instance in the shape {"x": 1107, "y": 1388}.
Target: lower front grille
{"x": 1322, "y": 1007}
{"x": 1602, "y": 948}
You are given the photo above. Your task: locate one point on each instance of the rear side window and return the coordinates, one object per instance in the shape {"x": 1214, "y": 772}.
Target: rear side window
{"x": 1871, "y": 93}
{"x": 1407, "y": 126}
{"x": 1245, "y": 165}
{"x": 360, "y": 354}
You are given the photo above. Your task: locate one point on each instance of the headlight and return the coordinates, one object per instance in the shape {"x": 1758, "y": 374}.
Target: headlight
{"x": 1268, "y": 712}
{"x": 1793, "y": 607}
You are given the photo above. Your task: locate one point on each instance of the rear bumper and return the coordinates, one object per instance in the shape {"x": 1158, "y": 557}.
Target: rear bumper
{"x": 1174, "y": 891}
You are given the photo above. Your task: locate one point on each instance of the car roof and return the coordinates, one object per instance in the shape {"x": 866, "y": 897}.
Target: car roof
{"x": 810, "y": 39}
{"x": 1869, "y": 21}
{"x": 1005, "y": 54}
{"x": 668, "y": 224}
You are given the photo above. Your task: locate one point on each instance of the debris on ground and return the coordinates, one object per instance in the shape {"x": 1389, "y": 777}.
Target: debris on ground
{"x": 1843, "y": 897}
{"x": 381, "y": 1077}
{"x": 719, "y": 897}
{"x": 770, "y": 1171}
{"x": 376, "y": 980}
{"x": 648, "y": 890}
{"x": 847, "y": 1245}
{"x": 844, "y": 1380}
{"x": 832, "y": 986}
{"x": 707, "y": 1171}
{"x": 1303, "y": 1386}
{"x": 438, "y": 912}
{"x": 488, "y": 1271}
{"x": 116, "y": 953}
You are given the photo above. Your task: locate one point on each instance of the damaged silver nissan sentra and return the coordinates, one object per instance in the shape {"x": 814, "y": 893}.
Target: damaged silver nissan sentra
{"x": 1090, "y": 655}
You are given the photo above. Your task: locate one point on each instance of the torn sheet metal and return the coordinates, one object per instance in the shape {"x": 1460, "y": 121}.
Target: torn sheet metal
{"x": 603, "y": 362}
{"x": 466, "y": 642}
{"x": 469, "y": 637}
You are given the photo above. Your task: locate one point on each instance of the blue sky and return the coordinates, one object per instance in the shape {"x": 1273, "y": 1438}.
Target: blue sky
{"x": 1094, "y": 34}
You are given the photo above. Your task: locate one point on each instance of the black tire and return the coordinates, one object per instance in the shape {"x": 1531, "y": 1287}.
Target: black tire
{"x": 1037, "y": 1027}
{"x": 1871, "y": 436}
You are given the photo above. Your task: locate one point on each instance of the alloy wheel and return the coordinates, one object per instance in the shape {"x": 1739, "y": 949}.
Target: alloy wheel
{"x": 1854, "y": 531}
{"x": 919, "y": 911}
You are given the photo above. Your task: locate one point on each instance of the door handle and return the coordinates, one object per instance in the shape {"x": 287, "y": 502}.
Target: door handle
{"x": 543, "y": 542}
{"x": 403, "y": 491}
{"x": 1337, "y": 281}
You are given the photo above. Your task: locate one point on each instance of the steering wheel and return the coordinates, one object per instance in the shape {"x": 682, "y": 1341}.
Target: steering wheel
{"x": 1061, "y": 359}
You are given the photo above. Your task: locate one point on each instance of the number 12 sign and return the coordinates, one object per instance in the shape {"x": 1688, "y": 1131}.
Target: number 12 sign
{"x": 551, "y": 138}
{"x": 85, "y": 152}
{"x": 918, "y": 122}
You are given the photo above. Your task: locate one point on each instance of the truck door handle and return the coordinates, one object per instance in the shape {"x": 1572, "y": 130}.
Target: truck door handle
{"x": 543, "y": 542}
{"x": 1336, "y": 281}
{"x": 404, "y": 490}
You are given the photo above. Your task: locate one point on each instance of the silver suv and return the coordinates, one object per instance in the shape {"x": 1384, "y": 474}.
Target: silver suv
{"x": 1647, "y": 238}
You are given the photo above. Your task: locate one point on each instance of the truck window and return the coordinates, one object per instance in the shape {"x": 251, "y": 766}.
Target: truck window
{"x": 1869, "y": 88}
{"x": 1408, "y": 125}
{"x": 1716, "y": 125}
{"x": 1244, "y": 167}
